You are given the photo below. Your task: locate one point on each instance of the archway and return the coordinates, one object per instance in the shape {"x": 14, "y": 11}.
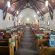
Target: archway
{"x": 28, "y": 15}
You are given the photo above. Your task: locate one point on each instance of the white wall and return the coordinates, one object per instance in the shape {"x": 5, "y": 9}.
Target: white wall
{"x": 8, "y": 23}
{"x": 9, "y": 20}
{"x": 5, "y": 23}
{"x": 1, "y": 19}
{"x": 46, "y": 19}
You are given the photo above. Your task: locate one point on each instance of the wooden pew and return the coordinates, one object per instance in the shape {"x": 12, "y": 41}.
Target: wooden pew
{"x": 4, "y": 42}
{"x": 4, "y": 47}
{"x": 4, "y": 50}
{"x": 47, "y": 51}
{"x": 41, "y": 41}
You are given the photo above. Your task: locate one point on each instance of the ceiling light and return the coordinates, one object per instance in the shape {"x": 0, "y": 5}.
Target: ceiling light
{"x": 37, "y": 12}
{"x": 27, "y": 19}
{"x": 48, "y": 23}
{"x": 46, "y": 3}
{"x": 17, "y": 12}
{"x": 34, "y": 15}
{"x": 8, "y": 3}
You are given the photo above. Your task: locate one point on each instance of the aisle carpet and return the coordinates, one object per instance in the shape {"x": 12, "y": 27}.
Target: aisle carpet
{"x": 27, "y": 46}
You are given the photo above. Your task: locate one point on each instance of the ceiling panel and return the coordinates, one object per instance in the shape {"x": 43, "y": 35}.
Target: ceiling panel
{"x": 37, "y": 4}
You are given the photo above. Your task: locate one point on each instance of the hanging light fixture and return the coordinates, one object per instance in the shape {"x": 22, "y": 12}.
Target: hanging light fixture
{"x": 38, "y": 12}
{"x": 27, "y": 19}
{"x": 34, "y": 15}
{"x": 48, "y": 23}
{"x": 46, "y": 3}
{"x": 17, "y": 12}
{"x": 8, "y": 4}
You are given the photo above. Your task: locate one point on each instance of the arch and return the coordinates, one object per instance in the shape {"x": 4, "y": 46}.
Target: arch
{"x": 28, "y": 13}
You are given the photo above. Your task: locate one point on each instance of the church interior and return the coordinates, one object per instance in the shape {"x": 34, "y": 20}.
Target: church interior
{"x": 27, "y": 27}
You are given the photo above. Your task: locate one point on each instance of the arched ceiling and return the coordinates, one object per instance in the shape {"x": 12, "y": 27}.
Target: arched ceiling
{"x": 36, "y": 5}
{"x": 28, "y": 13}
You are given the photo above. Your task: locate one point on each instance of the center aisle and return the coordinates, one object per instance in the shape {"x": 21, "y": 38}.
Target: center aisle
{"x": 27, "y": 46}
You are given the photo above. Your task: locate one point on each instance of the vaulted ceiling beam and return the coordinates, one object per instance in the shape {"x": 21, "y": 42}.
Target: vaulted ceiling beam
{"x": 50, "y": 12}
{"x": 33, "y": 6}
{"x": 14, "y": 1}
{"x": 21, "y": 4}
{"x": 4, "y": 9}
{"x": 41, "y": 1}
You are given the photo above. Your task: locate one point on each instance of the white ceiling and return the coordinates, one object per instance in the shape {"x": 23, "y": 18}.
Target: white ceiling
{"x": 28, "y": 13}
